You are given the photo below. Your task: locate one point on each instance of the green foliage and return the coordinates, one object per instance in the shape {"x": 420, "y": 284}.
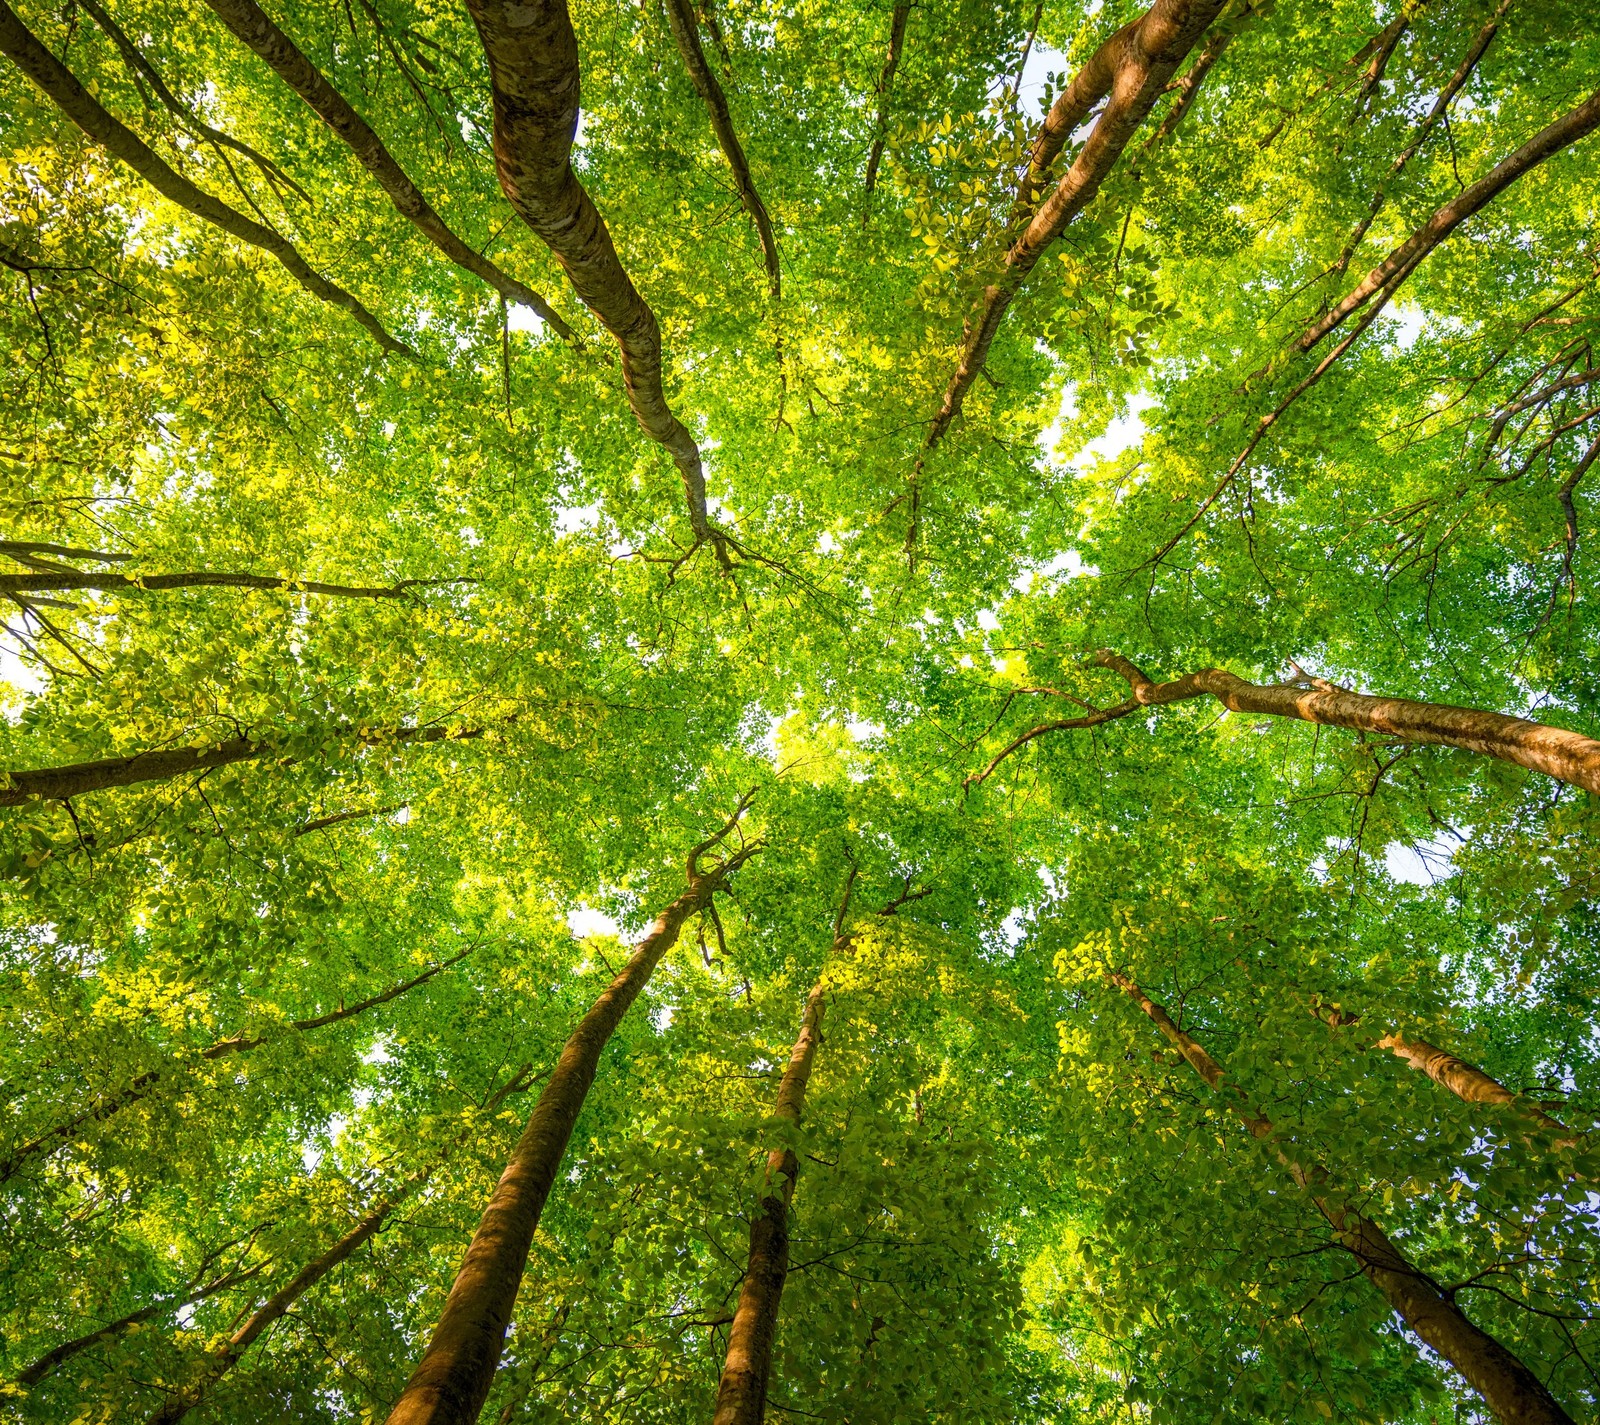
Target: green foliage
{"x": 1015, "y": 1202}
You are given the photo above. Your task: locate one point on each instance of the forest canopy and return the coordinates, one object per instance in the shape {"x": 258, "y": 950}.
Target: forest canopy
{"x": 736, "y": 710}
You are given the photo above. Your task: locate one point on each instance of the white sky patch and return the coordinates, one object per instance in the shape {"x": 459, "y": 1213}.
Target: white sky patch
{"x": 1042, "y": 60}
{"x": 1408, "y": 324}
{"x": 1125, "y": 433}
{"x": 863, "y": 731}
{"x": 988, "y": 620}
{"x": 523, "y": 319}
{"x": 21, "y": 677}
{"x": 584, "y": 921}
{"x": 569, "y": 519}
{"x": 1424, "y": 864}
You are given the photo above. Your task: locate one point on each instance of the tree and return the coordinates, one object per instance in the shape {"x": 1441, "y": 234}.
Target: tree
{"x": 1116, "y": 480}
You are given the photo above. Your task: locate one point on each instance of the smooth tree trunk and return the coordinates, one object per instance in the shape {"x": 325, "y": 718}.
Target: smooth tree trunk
{"x": 255, "y": 28}
{"x": 891, "y": 62}
{"x": 686, "y": 31}
{"x": 1466, "y": 1081}
{"x": 1511, "y": 1390}
{"x": 742, "y": 1392}
{"x": 52, "y": 77}
{"x": 145, "y": 1084}
{"x": 452, "y": 1381}
{"x": 59, "y": 580}
{"x": 533, "y": 71}
{"x": 68, "y": 1349}
{"x": 163, "y": 763}
{"x": 1554, "y": 751}
{"x": 1129, "y": 71}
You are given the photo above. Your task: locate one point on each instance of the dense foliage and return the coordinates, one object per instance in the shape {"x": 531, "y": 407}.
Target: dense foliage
{"x": 491, "y": 682}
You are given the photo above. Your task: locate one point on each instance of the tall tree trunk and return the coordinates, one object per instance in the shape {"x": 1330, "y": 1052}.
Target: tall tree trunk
{"x": 1513, "y": 1392}
{"x": 68, "y": 1349}
{"x": 451, "y": 1383}
{"x": 1132, "y": 68}
{"x": 686, "y": 30}
{"x": 27, "y": 52}
{"x": 1466, "y": 1081}
{"x": 256, "y": 29}
{"x": 891, "y": 62}
{"x": 145, "y": 1083}
{"x": 1554, "y": 751}
{"x": 163, "y": 763}
{"x": 57, "y": 580}
{"x": 533, "y": 71}
{"x": 742, "y": 1392}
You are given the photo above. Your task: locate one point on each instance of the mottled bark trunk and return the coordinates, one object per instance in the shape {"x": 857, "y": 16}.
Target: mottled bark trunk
{"x": 533, "y": 70}
{"x": 686, "y": 31}
{"x": 68, "y": 1349}
{"x": 1566, "y": 756}
{"x": 55, "y": 581}
{"x": 1132, "y": 68}
{"x": 1554, "y": 751}
{"x": 891, "y": 62}
{"x": 1466, "y": 1081}
{"x": 451, "y": 1383}
{"x": 1394, "y": 269}
{"x": 256, "y": 29}
{"x": 52, "y": 77}
{"x": 742, "y": 1393}
{"x": 145, "y": 1084}
{"x": 161, "y": 764}
{"x": 1513, "y": 1392}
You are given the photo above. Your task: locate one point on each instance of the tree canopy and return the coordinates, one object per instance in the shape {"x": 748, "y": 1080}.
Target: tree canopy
{"x": 751, "y": 709}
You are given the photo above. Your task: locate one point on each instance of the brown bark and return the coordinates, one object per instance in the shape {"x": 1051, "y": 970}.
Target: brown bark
{"x": 1513, "y": 1392}
{"x": 144, "y": 1085}
{"x": 1554, "y": 751}
{"x": 279, "y": 1303}
{"x": 742, "y": 1392}
{"x": 322, "y": 823}
{"x": 533, "y": 70}
{"x": 68, "y": 1349}
{"x": 686, "y": 31}
{"x": 256, "y": 29}
{"x": 1132, "y": 67}
{"x": 138, "y": 65}
{"x": 46, "y": 581}
{"x": 891, "y": 62}
{"x": 1188, "y": 87}
{"x": 1387, "y": 276}
{"x": 162, "y": 764}
{"x": 52, "y": 77}
{"x": 1466, "y": 1081}
{"x": 453, "y": 1378}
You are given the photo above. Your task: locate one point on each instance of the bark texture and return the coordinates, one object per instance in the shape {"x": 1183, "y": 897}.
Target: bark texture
{"x": 533, "y": 70}
{"x": 686, "y": 31}
{"x": 255, "y": 28}
{"x": 1129, "y": 70}
{"x": 161, "y": 764}
{"x": 1399, "y": 264}
{"x": 891, "y": 62}
{"x": 453, "y": 1378}
{"x": 144, "y": 1085}
{"x": 742, "y": 1392}
{"x": 1466, "y": 1081}
{"x": 52, "y": 77}
{"x": 1554, "y": 751}
{"x": 1512, "y": 1391}
{"x": 51, "y": 581}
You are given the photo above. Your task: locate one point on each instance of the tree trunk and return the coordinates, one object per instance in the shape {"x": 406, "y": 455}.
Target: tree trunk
{"x": 1466, "y": 1081}
{"x": 1554, "y": 751}
{"x": 742, "y": 1393}
{"x": 164, "y": 763}
{"x": 891, "y": 62}
{"x": 145, "y": 1083}
{"x": 533, "y": 71}
{"x": 20, "y": 45}
{"x": 1133, "y": 68}
{"x": 686, "y": 30}
{"x": 451, "y": 1383}
{"x": 1513, "y": 1392}
{"x": 56, "y": 580}
{"x": 255, "y": 28}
